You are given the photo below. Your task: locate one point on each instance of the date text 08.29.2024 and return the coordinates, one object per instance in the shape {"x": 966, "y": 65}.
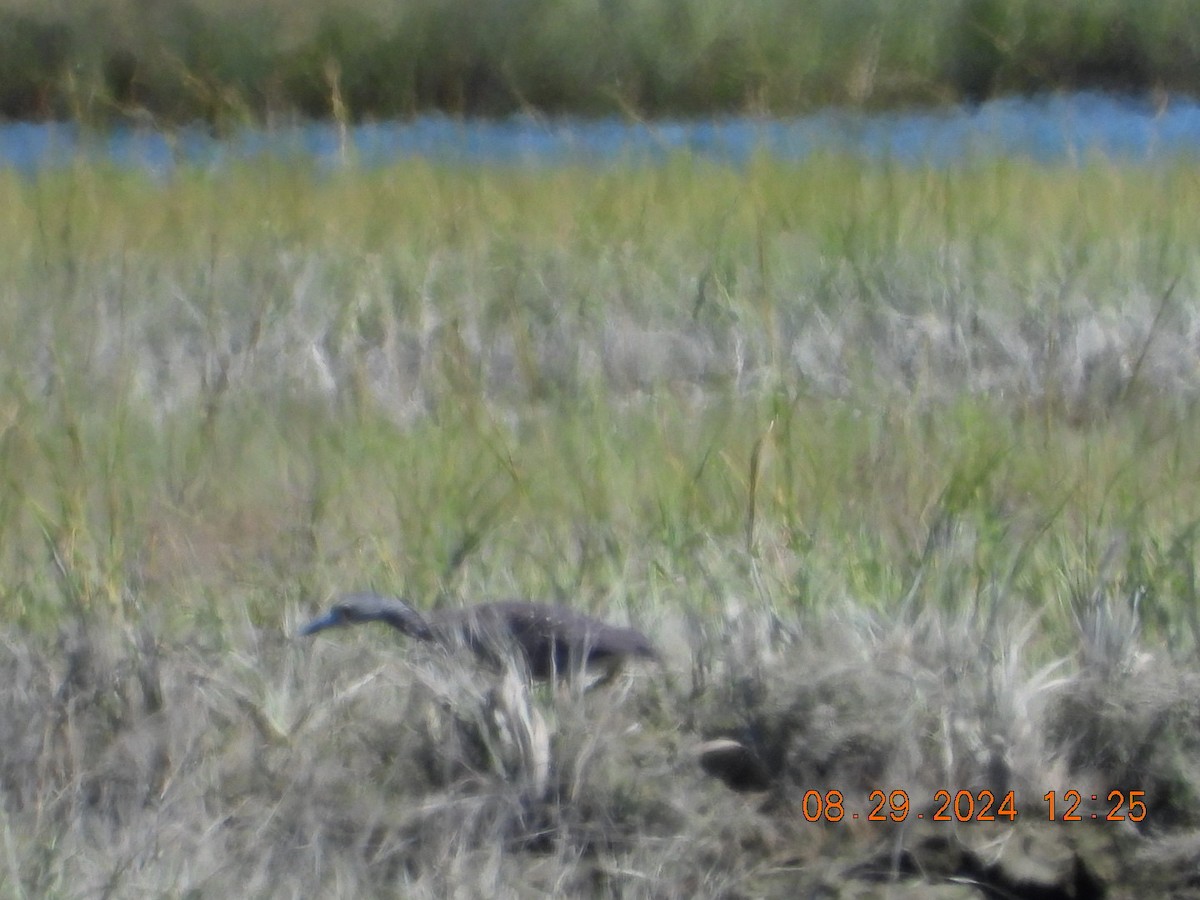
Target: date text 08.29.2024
{"x": 977, "y": 806}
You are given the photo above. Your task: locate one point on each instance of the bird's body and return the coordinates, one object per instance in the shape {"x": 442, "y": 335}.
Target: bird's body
{"x": 551, "y": 640}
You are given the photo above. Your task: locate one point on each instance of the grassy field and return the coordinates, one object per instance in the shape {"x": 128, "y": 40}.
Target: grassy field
{"x": 895, "y": 465}
{"x": 216, "y": 60}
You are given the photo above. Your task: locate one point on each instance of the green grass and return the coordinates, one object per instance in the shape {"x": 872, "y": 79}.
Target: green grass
{"x": 217, "y": 61}
{"x": 896, "y": 464}
{"x": 438, "y": 374}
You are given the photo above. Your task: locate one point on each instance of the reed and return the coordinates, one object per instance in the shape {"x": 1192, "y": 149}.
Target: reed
{"x": 213, "y": 60}
{"x": 893, "y": 464}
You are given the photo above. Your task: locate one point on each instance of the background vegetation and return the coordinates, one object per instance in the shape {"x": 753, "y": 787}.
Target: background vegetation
{"x": 824, "y": 359}
{"x": 183, "y": 60}
{"x": 896, "y": 464}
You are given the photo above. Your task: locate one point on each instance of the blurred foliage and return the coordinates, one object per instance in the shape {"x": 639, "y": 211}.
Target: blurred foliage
{"x": 264, "y": 381}
{"x": 223, "y": 62}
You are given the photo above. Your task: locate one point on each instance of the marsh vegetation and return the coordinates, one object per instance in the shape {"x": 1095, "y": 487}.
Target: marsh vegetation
{"x": 221, "y": 62}
{"x": 896, "y": 465}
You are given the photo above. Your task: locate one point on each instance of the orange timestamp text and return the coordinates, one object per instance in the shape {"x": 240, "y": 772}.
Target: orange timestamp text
{"x": 1119, "y": 806}
{"x": 972, "y": 806}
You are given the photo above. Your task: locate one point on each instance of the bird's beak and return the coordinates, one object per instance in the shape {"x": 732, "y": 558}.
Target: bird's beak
{"x": 329, "y": 620}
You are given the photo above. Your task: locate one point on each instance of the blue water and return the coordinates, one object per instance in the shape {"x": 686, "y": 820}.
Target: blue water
{"x": 1047, "y": 129}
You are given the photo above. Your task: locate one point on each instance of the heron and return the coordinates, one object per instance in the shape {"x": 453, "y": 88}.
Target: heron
{"x": 552, "y": 641}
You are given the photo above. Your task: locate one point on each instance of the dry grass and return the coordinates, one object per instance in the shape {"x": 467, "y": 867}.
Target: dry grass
{"x": 895, "y": 465}
{"x": 259, "y": 765}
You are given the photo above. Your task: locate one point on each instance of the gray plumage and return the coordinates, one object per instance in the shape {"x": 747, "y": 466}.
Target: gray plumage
{"x": 552, "y": 640}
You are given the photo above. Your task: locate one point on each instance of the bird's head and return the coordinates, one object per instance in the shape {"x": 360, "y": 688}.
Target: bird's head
{"x": 337, "y": 616}
{"x": 352, "y": 609}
